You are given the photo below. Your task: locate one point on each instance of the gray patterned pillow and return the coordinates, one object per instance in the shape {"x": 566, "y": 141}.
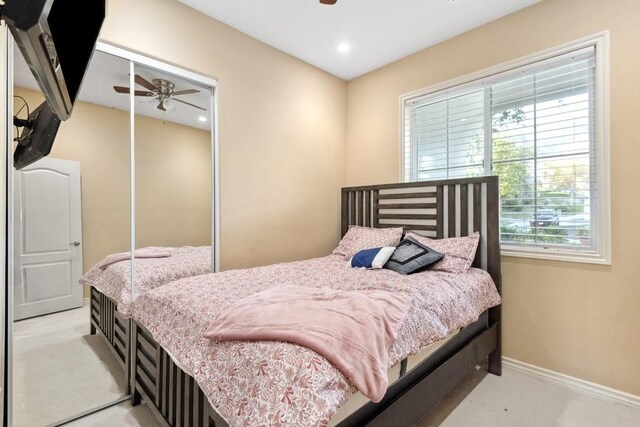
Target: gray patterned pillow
{"x": 411, "y": 257}
{"x": 459, "y": 251}
{"x": 358, "y": 238}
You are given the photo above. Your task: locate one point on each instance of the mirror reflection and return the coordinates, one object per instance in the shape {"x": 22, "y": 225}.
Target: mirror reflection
{"x": 72, "y": 209}
{"x": 173, "y": 178}
{"x": 74, "y": 274}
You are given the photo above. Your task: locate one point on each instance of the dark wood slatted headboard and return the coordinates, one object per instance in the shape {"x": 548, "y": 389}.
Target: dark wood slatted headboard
{"x": 438, "y": 209}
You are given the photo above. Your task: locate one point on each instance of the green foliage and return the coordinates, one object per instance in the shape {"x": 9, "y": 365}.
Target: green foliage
{"x": 512, "y": 233}
{"x": 511, "y": 205}
{"x": 514, "y": 115}
{"x": 583, "y": 232}
{"x": 554, "y": 194}
{"x": 568, "y": 177}
{"x": 513, "y": 175}
{"x": 551, "y": 235}
{"x": 561, "y": 201}
{"x": 571, "y": 209}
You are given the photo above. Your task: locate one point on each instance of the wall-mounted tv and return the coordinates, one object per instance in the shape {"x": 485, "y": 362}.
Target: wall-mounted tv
{"x": 57, "y": 39}
{"x": 38, "y": 133}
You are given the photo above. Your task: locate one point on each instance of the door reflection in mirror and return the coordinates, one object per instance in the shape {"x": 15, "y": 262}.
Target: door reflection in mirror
{"x": 71, "y": 209}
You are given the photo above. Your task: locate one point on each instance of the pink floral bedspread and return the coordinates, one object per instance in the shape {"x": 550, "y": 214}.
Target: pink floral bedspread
{"x": 269, "y": 383}
{"x": 115, "y": 280}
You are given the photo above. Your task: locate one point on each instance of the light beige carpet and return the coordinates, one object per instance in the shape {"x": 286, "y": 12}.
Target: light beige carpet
{"x": 120, "y": 415}
{"x": 516, "y": 399}
{"x": 512, "y": 400}
{"x": 59, "y": 370}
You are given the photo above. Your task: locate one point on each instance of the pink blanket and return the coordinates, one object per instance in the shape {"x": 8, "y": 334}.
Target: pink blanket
{"x": 150, "y": 252}
{"x": 352, "y": 329}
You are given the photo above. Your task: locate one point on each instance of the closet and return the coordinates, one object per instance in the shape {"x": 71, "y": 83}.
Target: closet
{"x": 134, "y": 167}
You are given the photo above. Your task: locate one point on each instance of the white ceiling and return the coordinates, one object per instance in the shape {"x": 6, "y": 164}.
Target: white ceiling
{"x": 105, "y": 71}
{"x": 377, "y": 31}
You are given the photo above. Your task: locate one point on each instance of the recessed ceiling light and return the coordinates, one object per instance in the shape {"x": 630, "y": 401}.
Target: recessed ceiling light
{"x": 202, "y": 118}
{"x": 343, "y": 48}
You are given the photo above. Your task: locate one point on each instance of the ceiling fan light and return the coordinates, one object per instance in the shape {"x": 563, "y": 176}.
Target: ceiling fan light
{"x": 169, "y": 104}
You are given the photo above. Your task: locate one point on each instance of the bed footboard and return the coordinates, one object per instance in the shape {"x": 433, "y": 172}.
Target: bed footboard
{"x": 104, "y": 317}
{"x": 171, "y": 394}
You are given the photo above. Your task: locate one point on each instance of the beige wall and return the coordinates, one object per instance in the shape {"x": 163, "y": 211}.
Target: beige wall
{"x": 173, "y": 184}
{"x": 173, "y": 188}
{"x": 582, "y": 320}
{"x": 282, "y": 130}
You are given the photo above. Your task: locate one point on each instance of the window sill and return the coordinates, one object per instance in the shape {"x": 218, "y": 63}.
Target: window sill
{"x": 554, "y": 255}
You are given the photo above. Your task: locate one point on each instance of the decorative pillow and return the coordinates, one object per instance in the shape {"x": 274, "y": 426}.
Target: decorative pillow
{"x": 372, "y": 258}
{"x": 411, "y": 257}
{"x": 358, "y": 238}
{"x": 459, "y": 251}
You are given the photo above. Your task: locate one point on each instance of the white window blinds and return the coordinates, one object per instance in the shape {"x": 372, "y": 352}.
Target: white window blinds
{"x": 534, "y": 127}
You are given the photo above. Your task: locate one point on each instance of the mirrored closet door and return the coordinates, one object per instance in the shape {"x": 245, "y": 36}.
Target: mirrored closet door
{"x": 71, "y": 210}
{"x": 173, "y": 175}
{"x": 125, "y": 203}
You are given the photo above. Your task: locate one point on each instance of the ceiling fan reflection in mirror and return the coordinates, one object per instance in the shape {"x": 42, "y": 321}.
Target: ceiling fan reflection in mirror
{"x": 160, "y": 90}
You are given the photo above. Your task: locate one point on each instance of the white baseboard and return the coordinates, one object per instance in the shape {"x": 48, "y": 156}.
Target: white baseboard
{"x": 574, "y": 383}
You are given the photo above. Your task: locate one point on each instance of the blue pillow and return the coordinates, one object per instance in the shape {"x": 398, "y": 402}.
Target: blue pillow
{"x": 372, "y": 258}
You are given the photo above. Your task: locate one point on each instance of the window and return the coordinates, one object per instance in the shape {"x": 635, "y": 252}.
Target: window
{"x": 539, "y": 126}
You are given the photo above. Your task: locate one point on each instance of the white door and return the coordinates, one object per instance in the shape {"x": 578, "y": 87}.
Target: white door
{"x": 48, "y": 238}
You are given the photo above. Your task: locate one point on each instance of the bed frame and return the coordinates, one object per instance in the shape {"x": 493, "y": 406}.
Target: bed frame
{"x": 114, "y": 329}
{"x": 439, "y": 209}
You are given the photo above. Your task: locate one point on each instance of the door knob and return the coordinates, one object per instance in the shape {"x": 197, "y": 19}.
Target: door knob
{"x": 74, "y": 244}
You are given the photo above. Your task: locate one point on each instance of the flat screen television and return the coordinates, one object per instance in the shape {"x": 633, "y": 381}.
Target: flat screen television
{"x": 36, "y": 139}
{"x": 57, "y": 39}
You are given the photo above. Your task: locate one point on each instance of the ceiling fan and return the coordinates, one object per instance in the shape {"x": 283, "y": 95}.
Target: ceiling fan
{"x": 328, "y": 1}
{"x": 160, "y": 90}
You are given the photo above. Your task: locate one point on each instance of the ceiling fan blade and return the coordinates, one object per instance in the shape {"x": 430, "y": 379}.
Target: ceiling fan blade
{"x": 186, "y": 92}
{"x": 161, "y": 106}
{"x": 121, "y": 89}
{"x": 145, "y": 83}
{"x": 328, "y": 1}
{"x": 192, "y": 105}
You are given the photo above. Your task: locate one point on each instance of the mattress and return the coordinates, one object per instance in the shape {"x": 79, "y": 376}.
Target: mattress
{"x": 115, "y": 280}
{"x": 269, "y": 382}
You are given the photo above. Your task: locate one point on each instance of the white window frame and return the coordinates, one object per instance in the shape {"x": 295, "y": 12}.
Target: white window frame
{"x": 602, "y": 253}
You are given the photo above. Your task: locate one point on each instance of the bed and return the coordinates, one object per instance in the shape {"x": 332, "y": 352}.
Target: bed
{"x": 111, "y": 294}
{"x": 440, "y": 209}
